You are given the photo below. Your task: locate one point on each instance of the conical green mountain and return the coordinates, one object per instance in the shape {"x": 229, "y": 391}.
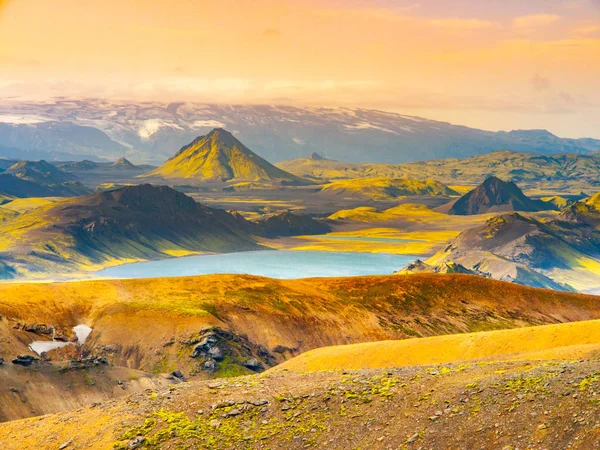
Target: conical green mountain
{"x": 219, "y": 156}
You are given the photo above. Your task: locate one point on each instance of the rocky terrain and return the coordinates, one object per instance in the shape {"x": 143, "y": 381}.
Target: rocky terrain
{"x": 217, "y": 325}
{"x": 489, "y": 405}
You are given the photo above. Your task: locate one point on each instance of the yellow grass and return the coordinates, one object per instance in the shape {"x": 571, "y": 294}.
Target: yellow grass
{"x": 569, "y": 340}
{"x": 21, "y": 205}
{"x": 417, "y": 242}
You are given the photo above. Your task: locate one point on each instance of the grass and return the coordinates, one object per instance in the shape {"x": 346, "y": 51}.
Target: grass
{"x": 387, "y": 188}
{"x": 562, "y": 341}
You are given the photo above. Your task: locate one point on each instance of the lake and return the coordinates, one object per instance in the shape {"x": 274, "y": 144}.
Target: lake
{"x": 269, "y": 263}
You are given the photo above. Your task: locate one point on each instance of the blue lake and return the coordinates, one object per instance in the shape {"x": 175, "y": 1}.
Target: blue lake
{"x": 268, "y": 263}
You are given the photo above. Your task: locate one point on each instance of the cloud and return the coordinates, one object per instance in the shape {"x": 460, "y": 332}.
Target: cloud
{"x": 534, "y": 21}
{"x": 540, "y": 83}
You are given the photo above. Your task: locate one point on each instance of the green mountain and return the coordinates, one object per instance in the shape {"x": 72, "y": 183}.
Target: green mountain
{"x": 219, "y": 156}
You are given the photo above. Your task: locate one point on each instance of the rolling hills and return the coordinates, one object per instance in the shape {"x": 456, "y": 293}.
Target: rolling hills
{"x": 219, "y": 156}
{"x": 554, "y": 172}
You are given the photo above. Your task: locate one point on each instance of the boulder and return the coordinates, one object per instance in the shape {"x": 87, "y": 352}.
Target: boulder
{"x": 24, "y": 360}
{"x": 253, "y": 364}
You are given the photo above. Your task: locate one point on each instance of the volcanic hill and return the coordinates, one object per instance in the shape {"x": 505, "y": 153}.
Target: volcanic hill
{"x": 219, "y": 156}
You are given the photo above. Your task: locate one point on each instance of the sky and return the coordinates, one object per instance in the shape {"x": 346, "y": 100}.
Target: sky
{"x": 491, "y": 64}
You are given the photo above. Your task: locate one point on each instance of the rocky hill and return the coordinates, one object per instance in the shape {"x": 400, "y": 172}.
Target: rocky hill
{"x": 495, "y": 195}
{"x": 219, "y": 156}
{"x": 468, "y": 404}
{"x": 554, "y": 253}
{"x": 55, "y": 180}
{"x": 127, "y": 224}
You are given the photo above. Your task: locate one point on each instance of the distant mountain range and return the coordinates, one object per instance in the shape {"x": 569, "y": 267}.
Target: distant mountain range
{"x": 148, "y": 132}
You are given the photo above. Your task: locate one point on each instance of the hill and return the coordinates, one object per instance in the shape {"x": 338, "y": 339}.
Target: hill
{"x": 125, "y": 164}
{"x": 219, "y": 156}
{"x": 492, "y": 404}
{"x": 555, "y": 172}
{"x": 156, "y": 325}
{"x": 128, "y": 224}
{"x": 59, "y": 182}
{"x": 543, "y": 253}
{"x": 385, "y": 188}
{"x": 495, "y": 195}
{"x": 14, "y": 187}
{"x": 566, "y": 340}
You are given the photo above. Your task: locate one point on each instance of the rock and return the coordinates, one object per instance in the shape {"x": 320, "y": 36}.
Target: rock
{"x": 281, "y": 349}
{"x": 210, "y": 365}
{"x": 413, "y": 438}
{"x": 136, "y": 443}
{"x": 24, "y": 360}
{"x": 65, "y": 445}
{"x": 215, "y": 385}
{"x": 1, "y": 361}
{"x": 216, "y": 353}
{"x": 178, "y": 374}
{"x": 253, "y": 364}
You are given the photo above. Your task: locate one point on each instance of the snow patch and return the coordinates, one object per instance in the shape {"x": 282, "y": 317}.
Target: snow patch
{"x": 20, "y": 120}
{"x": 368, "y": 126}
{"x": 208, "y": 123}
{"x": 298, "y": 141}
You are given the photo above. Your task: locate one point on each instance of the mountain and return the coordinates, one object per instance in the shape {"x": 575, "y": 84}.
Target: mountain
{"x": 279, "y": 133}
{"x": 586, "y": 211}
{"x": 495, "y": 195}
{"x": 57, "y": 140}
{"x": 125, "y": 164}
{"x": 128, "y": 224}
{"x": 59, "y": 182}
{"x": 419, "y": 266}
{"x": 77, "y": 165}
{"x": 289, "y": 224}
{"x": 562, "y": 253}
{"x": 11, "y": 186}
{"x": 314, "y": 156}
{"x": 386, "y": 188}
{"x": 219, "y": 156}
{"x": 562, "y": 172}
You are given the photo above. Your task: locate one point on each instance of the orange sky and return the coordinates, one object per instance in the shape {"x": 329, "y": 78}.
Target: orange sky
{"x": 509, "y": 64}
